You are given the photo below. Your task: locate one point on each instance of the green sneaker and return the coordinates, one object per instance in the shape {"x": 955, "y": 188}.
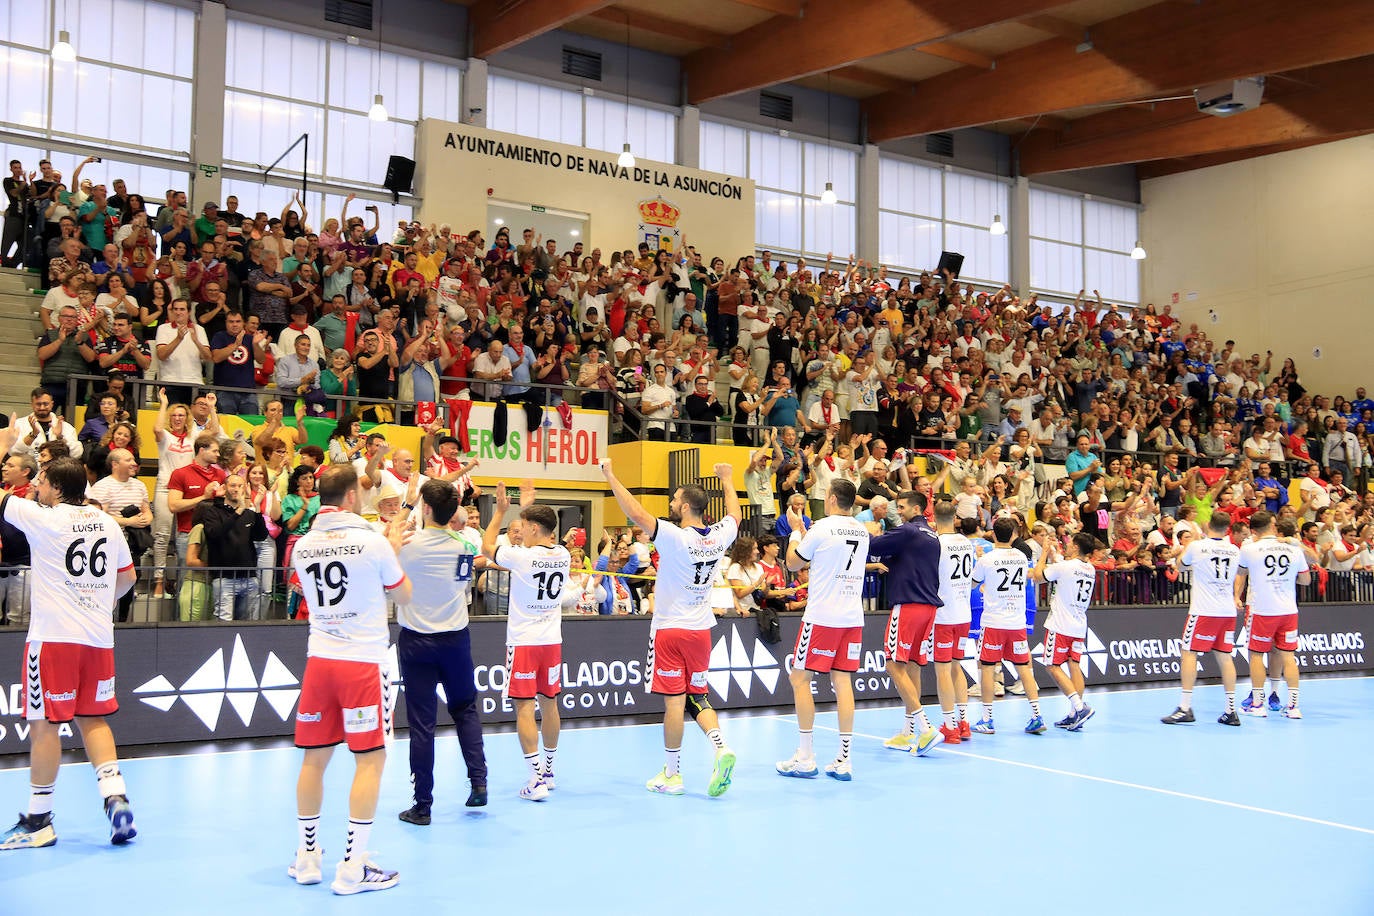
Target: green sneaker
{"x": 664, "y": 784}
{"x": 720, "y": 774}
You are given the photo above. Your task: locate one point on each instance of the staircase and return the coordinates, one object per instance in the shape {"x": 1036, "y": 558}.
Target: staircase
{"x": 20, "y": 329}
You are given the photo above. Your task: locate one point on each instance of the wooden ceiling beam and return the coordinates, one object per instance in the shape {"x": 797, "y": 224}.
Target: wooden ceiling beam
{"x": 870, "y": 78}
{"x": 948, "y": 50}
{"x": 657, "y": 25}
{"x": 500, "y": 24}
{"x": 791, "y": 8}
{"x": 1333, "y": 100}
{"x": 1053, "y": 25}
{"x": 837, "y": 33}
{"x": 1138, "y": 55}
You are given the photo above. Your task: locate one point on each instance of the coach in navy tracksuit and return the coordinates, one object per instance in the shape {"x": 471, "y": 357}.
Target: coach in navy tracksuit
{"x": 911, "y": 553}
{"x": 435, "y": 645}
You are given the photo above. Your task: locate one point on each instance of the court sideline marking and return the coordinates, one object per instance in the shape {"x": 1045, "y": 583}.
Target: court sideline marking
{"x": 1119, "y": 782}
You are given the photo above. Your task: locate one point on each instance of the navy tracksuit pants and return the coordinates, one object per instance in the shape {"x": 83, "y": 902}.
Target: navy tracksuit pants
{"x": 427, "y": 661}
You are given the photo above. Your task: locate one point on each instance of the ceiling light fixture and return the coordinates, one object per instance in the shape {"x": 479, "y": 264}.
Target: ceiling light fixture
{"x": 1137, "y": 253}
{"x": 627, "y": 158}
{"x": 828, "y": 195}
{"x": 62, "y": 51}
{"x": 378, "y": 110}
{"x": 998, "y": 227}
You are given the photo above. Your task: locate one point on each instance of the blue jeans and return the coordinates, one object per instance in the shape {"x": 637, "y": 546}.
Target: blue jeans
{"x": 238, "y": 403}
{"x": 236, "y": 598}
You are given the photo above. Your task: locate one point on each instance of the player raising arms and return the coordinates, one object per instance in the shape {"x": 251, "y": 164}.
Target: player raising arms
{"x": 1067, "y": 625}
{"x": 831, "y": 635}
{"x": 539, "y": 571}
{"x": 1273, "y": 566}
{"x": 1212, "y": 607}
{"x": 346, "y": 570}
{"x": 680, "y": 633}
{"x": 81, "y": 566}
{"x": 952, "y": 620}
{"x": 912, "y": 553}
{"x": 1004, "y": 573}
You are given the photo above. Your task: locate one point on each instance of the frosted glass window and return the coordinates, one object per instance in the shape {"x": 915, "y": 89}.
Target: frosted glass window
{"x": 973, "y": 199}
{"x": 24, "y": 91}
{"x": 354, "y": 72}
{"x": 839, "y": 166}
{"x": 724, "y": 149}
{"x": 137, "y": 109}
{"x": 257, "y": 130}
{"x": 25, "y": 22}
{"x": 652, "y": 133}
{"x": 149, "y": 181}
{"x": 443, "y": 96}
{"x": 908, "y": 242}
{"x": 1056, "y": 267}
{"x": 829, "y": 229}
{"x": 1110, "y": 226}
{"x": 135, "y": 33}
{"x": 532, "y": 110}
{"x": 1058, "y": 217}
{"x": 910, "y": 188}
{"x": 1116, "y": 276}
{"x": 777, "y": 222}
{"x": 775, "y": 162}
{"x": 255, "y": 197}
{"x": 275, "y": 61}
{"x": 359, "y": 147}
{"x": 387, "y": 213}
{"x": 985, "y": 255}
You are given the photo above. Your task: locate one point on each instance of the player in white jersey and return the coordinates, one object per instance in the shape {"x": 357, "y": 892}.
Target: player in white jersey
{"x": 1067, "y": 625}
{"x": 81, "y": 566}
{"x": 434, "y": 647}
{"x": 952, "y": 622}
{"x": 831, "y": 635}
{"x": 1273, "y": 567}
{"x": 539, "y": 571}
{"x": 346, "y": 571}
{"x": 1004, "y": 572}
{"x": 680, "y": 635}
{"x": 1212, "y": 605}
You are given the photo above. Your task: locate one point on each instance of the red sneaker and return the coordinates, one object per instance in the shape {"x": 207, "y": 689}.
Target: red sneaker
{"x": 965, "y": 733}
{"x": 951, "y": 734}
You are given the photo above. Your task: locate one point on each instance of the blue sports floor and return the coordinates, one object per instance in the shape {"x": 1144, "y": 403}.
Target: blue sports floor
{"x": 1130, "y": 816}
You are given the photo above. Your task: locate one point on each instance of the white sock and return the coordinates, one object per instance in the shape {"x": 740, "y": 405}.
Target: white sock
{"x": 359, "y": 832}
{"x": 1276, "y": 685}
{"x": 987, "y": 709}
{"x": 1230, "y": 701}
{"x": 108, "y": 779}
{"x": 672, "y": 757}
{"x": 951, "y": 718}
{"x": 910, "y": 727}
{"x": 717, "y": 739}
{"x": 532, "y": 761}
{"x": 1075, "y": 702}
{"x": 804, "y": 746}
{"x": 548, "y": 758}
{"x": 922, "y": 721}
{"x": 1185, "y": 702}
{"x": 845, "y": 738}
{"x": 1035, "y": 707}
{"x": 1292, "y": 696}
{"x": 40, "y": 799}
{"x": 1257, "y": 696}
{"x": 309, "y": 826}
{"x": 962, "y": 709}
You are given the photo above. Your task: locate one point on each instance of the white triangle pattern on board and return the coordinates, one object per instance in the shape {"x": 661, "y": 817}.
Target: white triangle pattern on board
{"x": 240, "y": 671}
{"x": 209, "y": 676}
{"x": 281, "y": 701}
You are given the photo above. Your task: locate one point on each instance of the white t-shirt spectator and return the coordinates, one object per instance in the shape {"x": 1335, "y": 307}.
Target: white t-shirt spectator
{"x": 183, "y": 365}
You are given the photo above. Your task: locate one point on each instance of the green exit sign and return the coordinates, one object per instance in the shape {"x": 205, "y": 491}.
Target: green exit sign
{"x": 537, "y": 209}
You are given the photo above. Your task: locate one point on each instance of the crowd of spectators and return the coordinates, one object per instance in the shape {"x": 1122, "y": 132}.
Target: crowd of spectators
{"x": 1073, "y": 416}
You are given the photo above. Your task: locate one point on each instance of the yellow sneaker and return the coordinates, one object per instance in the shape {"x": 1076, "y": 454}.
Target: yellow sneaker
{"x": 899, "y": 743}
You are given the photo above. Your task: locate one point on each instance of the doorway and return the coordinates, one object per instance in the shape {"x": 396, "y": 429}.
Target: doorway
{"x": 566, "y": 227}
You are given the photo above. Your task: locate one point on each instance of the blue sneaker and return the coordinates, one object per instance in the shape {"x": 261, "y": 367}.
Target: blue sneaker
{"x": 1067, "y": 721}
{"x": 1248, "y": 703}
{"x": 1274, "y": 704}
{"x": 33, "y": 831}
{"x": 984, "y": 727}
{"x": 926, "y": 742}
{"x": 1082, "y": 716}
{"x": 121, "y": 815}
{"x": 1036, "y": 726}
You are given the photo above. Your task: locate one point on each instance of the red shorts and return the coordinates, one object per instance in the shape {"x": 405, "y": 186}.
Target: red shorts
{"x": 949, "y": 641}
{"x": 1208, "y": 634}
{"x": 533, "y": 670}
{"x": 344, "y": 701}
{"x": 910, "y": 633}
{"x": 995, "y": 644}
{"x": 821, "y": 649}
{"x": 679, "y": 660}
{"x": 1280, "y": 632}
{"x": 63, "y": 680}
{"x": 1060, "y": 649}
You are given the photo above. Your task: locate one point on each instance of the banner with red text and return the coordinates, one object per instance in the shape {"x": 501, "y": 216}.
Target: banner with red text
{"x": 551, "y": 452}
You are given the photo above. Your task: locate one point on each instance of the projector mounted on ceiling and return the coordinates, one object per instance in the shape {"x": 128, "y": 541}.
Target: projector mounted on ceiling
{"x": 1230, "y": 97}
